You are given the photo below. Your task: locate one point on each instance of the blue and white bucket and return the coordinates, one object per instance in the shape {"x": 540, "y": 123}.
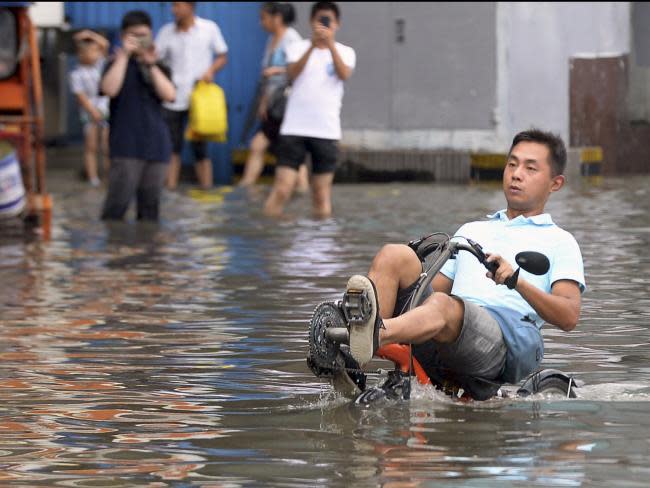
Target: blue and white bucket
{"x": 12, "y": 191}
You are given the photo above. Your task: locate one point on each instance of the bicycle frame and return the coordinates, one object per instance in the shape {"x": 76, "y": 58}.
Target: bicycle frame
{"x": 401, "y": 354}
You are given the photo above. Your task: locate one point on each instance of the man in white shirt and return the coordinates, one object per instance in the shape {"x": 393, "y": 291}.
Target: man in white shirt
{"x": 188, "y": 46}
{"x": 312, "y": 120}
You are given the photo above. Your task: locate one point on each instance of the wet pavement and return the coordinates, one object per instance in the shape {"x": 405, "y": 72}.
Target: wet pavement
{"x": 174, "y": 354}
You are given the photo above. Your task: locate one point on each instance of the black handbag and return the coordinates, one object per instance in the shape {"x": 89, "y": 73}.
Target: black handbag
{"x": 277, "y": 103}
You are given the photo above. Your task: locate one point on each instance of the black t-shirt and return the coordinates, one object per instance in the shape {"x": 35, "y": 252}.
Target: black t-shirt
{"x": 137, "y": 127}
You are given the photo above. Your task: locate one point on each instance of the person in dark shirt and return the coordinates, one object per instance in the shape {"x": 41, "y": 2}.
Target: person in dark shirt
{"x": 140, "y": 145}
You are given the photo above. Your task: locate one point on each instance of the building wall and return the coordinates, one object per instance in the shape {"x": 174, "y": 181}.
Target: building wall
{"x": 467, "y": 75}
{"x": 639, "y": 97}
{"x": 426, "y": 72}
{"x": 537, "y": 42}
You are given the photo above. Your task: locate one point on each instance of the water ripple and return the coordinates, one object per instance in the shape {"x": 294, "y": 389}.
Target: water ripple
{"x": 174, "y": 354}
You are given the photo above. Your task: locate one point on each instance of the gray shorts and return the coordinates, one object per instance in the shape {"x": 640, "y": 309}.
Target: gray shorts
{"x": 479, "y": 352}
{"x": 479, "y": 349}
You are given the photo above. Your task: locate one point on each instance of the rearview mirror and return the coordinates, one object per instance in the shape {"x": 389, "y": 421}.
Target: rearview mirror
{"x": 533, "y": 262}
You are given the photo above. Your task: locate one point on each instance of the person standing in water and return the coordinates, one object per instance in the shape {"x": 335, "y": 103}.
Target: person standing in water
{"x": 276, "y": 18}
{"x": 194, "y": 49}
{"x": 318, "y": 68}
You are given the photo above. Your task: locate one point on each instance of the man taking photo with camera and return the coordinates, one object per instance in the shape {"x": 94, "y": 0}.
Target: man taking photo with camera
{"x": 312, "y": 120}
{"x": 137, "y": 85}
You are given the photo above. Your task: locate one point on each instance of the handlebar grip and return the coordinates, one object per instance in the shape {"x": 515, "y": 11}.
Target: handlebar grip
{"x": 491, "y": 266}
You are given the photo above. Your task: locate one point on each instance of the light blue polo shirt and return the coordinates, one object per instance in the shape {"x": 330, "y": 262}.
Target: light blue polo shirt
{"x": 519, "y": 322}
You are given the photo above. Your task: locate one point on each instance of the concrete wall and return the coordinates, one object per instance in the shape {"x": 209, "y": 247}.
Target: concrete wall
{"x": 467, "y": 76}
{"x": 639, "y": 96}
{"x": 536, "y": 42}
{"x": 426, "y": 72}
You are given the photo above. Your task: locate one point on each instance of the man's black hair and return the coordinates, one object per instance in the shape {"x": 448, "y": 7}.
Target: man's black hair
{"x": 135, "y": 17}
{"x": 284, "y": 9}
{"x": 320, "y": 6}
{"x": 554, "y": 143}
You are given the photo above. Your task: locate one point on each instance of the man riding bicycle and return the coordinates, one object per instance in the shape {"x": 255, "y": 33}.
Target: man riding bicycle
{"x": 479, "y": 327}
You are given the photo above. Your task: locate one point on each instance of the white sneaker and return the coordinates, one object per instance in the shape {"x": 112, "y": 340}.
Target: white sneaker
{"x": 361, "y": 310}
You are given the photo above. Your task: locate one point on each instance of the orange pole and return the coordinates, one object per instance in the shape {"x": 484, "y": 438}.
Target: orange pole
{"x": 37, "y": 88}
{"x": 400, "y": 354}
{"x": 25, "y": 130}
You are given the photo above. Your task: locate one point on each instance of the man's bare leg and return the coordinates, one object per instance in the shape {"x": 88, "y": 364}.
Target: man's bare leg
{"x": 439, "y": 318}
{"x": 321, "y": 186}
{"x": 395, "y": 266}
{"x": 204, "y": 173}
{"x": 283, "y": 185}
{"x": 302, "y": 185}
{"x": 173, "y": 171}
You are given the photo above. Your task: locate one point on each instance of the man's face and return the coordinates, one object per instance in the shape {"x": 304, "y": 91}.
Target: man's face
{"x": 528, "y": 179}
{"x": 182, "y": 10}
{"x": 318, "y": 20}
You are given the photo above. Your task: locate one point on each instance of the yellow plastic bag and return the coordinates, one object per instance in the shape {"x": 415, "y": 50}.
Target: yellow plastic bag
{"x": 208, "y": 120}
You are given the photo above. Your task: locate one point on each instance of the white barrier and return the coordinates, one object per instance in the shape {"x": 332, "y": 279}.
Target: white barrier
{"x": 12, "y": 191}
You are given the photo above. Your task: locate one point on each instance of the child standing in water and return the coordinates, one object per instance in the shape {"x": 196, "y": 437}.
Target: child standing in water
{"x": 92, "y": 49}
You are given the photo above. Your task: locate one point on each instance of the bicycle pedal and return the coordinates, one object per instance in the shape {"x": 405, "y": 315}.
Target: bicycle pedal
{"x": 356, "y": 306}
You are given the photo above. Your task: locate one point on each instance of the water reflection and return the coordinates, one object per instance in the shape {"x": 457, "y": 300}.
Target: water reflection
{"x": 174, "y": 353}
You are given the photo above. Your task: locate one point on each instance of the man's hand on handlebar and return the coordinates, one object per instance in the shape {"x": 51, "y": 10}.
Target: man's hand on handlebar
{"x": 503, "y": 271}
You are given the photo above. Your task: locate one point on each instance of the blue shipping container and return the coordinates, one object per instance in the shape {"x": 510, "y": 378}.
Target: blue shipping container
{"x": 239, "y": 24}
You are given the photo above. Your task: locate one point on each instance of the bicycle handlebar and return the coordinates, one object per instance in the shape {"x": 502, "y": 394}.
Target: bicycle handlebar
{"x": 450, "y": 249}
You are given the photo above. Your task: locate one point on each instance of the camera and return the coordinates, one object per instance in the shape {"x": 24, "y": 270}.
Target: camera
{"x": 324, "y": 20}
{"x": 145, "y": 43}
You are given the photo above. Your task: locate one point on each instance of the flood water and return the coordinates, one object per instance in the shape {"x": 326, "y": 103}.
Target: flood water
{"x": 174, "y": 354}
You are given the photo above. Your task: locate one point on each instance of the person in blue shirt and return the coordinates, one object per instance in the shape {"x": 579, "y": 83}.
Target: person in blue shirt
{"x": 479, "y": 327}
{"x": 139, "y": 141}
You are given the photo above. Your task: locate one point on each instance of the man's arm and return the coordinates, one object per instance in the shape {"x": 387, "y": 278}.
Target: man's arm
{"x": 160, "y": 79}
{"x": 220, "y": 48}
{"x": 294, "y": 69}
{"x": 561, "y": 307}
{"x": 113, "y": 79}
{"x": 219, "y": 62}
{"x": 343, "y": 71}
{"x": 164, "y": 87}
